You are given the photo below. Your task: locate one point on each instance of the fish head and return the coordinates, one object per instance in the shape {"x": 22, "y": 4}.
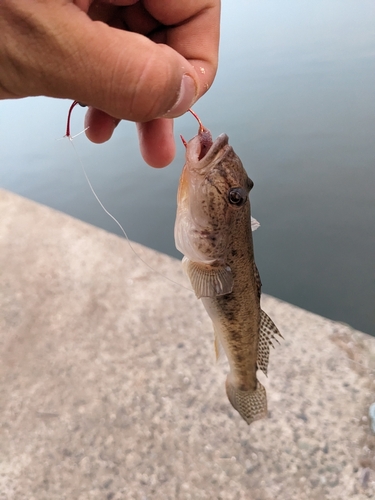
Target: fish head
{"x": 212, "y": 199}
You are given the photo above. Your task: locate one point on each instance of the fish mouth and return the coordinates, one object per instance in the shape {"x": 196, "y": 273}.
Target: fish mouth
{"x": 201, "y": 151}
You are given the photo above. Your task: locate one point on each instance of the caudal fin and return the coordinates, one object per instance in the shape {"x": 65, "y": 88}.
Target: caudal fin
{"x": 251, "y": 405}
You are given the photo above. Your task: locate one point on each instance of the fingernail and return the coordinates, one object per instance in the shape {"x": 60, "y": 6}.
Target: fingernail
{"x": 186, "y": 97}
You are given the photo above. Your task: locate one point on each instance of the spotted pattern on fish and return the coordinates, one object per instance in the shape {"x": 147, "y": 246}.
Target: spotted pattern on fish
{"x": 267, "y": 332}
{"x": 213, "y": 230}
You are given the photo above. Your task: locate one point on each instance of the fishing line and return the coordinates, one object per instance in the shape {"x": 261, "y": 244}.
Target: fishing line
{"x": 70, "y": 137}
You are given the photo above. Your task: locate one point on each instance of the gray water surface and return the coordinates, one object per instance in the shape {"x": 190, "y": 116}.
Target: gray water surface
{"x": 295, "y": 92}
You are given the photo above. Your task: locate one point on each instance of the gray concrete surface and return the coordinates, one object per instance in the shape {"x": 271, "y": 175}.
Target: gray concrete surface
{"x": 109, "y": 389}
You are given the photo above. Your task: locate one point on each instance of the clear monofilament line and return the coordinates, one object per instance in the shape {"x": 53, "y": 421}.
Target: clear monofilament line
{"x": 116, "y": 221}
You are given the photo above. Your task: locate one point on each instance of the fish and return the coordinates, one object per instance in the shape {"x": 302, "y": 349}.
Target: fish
{"x": 213, "y": 231}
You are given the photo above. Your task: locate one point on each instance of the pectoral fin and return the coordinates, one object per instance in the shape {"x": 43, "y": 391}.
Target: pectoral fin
{"x": 254, "y": 224}
{"x": 208, "y": 281}
{"x": 267, "y": 332}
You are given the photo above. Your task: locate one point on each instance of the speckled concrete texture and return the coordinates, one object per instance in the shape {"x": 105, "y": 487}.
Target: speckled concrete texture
{"x": 109, "y": 389}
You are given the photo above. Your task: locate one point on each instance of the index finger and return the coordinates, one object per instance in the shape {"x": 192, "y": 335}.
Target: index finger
{"x": 191, "y": 28}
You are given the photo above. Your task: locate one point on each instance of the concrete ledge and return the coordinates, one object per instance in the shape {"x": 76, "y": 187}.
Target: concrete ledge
{"x": 109, "y": 389}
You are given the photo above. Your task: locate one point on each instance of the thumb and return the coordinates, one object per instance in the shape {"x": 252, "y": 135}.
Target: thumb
{"x": 122, "y": 73}
{"x": 128, "y": 76}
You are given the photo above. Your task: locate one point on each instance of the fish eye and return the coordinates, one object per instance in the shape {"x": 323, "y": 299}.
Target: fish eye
{"x": 237, "y": 196}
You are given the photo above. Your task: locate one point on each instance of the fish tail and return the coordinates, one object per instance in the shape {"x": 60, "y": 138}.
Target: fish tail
{"x": 251, "y": 405}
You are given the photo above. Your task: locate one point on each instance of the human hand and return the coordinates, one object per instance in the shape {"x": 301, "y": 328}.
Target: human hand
{"x": 146, "y": 61}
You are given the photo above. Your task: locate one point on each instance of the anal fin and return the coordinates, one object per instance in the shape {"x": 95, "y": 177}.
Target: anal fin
{"x": 219, "y": 348}
{"x": 267, "y": 332}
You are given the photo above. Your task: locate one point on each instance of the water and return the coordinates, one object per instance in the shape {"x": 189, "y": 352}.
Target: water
{"x": 295, "y": 92}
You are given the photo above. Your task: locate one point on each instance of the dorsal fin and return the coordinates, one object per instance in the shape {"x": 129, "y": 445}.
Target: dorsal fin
{"x": 267, "y": 332}
{"x": 258, "y": 281}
